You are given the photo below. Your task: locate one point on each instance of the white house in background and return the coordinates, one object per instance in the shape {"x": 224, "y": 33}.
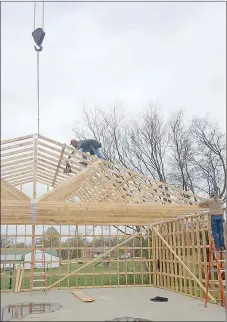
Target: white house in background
{"x": 14, "y": 256}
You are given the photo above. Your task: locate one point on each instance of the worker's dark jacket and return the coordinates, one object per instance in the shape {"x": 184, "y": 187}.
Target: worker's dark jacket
{"x": 87, "y": 145}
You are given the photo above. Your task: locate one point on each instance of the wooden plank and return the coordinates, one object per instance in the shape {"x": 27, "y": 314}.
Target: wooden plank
{"x": 17, "y": 139}
{"x": 20, "y": 279}
{"x": 22, "y": 161}
{"x": 93, "y": 260}
{"x": 21, "y": 181}
{"x": 49, "y": 153}
{"x": 14, "y": 176}
{"x": 58, "y": 166}
{"x": 10, "y": 192}
{"x": 51, "y": 147}
{"x": 68, "y": 188}
{"x": 17, "y": 278}
{"x": 9, "y": 154}
{"x": 82, "y": 296}
{"x": 20, "y": 167}
{"x": 15, "y": 171}
{"x": 183, "y": 264}
{"x": 51, "y": 141}
{"x": 15, "y": 146}
{"x": 5, "y": 162}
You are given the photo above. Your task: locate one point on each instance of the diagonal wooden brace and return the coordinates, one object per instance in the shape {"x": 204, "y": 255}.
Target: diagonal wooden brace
{"x": 182, "y": 263}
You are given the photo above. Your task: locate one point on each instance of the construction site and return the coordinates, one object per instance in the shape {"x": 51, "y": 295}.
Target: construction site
{"x": 101, "y": 227}
{"x": 85, "y": 236}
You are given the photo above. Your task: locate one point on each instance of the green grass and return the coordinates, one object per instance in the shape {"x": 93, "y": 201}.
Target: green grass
{"x": 118, "y": 273}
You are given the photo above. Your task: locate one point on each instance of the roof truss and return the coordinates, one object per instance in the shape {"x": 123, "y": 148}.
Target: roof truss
{"x": 38, "y": 159}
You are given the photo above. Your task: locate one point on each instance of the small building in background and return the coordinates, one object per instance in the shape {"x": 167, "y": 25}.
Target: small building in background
{"x": 13, "y": 256}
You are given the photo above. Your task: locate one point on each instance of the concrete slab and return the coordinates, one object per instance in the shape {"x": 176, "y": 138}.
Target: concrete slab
{"x": 111, "y": 303}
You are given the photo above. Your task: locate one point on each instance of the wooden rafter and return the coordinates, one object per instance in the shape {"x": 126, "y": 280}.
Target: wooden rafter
{"x": 67, "y": 189}
{"x": 59, "y": 163}
{"x": 9, "y": 192}
{"x": 101, "y": 181}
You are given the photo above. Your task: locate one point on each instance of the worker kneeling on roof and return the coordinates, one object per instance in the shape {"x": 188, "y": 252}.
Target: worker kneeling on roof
{"x": 88, "y": 146}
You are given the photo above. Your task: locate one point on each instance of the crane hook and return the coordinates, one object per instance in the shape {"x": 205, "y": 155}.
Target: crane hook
{"x": 38, "y": 49}
{"x": 38, "y": 36}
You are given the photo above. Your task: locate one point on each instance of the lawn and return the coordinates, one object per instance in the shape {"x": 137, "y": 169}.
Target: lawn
{"x": 117, "y": 273}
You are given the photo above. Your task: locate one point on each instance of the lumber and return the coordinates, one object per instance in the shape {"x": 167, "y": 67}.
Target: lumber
{"x": 82, "y": 296}
{"x": 15, "y": 146}
{"x": 182, "y": 263}
{"x": 17, "y": 278}
{"x": 17, "y": 139}
{"x": 94, "y": 260}
{"x": 20, "y": 280}
{"x": 59, "y": 163}
{"x": 96, "y": 213}
{"x": 68, "y": 188}
{"x": 8, "y": 191}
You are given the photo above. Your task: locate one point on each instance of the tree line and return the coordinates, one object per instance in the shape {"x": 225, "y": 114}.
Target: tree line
{"x": 189, "y": 154}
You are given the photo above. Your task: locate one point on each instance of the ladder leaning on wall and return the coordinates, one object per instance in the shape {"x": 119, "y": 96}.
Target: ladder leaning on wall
{"x": 39, "y": 276}
{"x": 216, "y": 274}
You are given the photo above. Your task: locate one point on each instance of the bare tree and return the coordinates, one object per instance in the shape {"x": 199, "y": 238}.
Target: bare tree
{"x": 6, "y": 242}
{"x": 108, "y": 127}
{"x": 189, "y": 156}
{"x": 210, "y": 155}
{"x": 148, "y": 143}
{"x": 181, "y": 171}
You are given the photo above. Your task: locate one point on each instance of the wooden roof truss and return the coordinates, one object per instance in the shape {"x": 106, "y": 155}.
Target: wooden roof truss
{"x": 38, "y": 159}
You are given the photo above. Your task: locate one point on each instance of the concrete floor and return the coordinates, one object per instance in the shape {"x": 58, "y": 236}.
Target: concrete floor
{"x": 113, "y": 303}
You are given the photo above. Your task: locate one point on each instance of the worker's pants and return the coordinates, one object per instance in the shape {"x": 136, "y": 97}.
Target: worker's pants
{"x": 94, "y": 152}
{"x": 217, "y": 231}
{"x": 97, "y": 153}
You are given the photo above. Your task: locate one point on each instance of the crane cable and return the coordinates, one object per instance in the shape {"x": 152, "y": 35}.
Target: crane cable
{"x": 38, "y": 35}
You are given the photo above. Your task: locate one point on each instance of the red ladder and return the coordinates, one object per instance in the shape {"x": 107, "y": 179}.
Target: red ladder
{"x": 219, "y": 269}
{"x": 41, "y": 275}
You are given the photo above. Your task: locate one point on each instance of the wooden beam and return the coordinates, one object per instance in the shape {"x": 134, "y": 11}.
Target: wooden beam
{"x": 16, "y": 146}
{"x": 15, "y": 171}
{"x": 20, "y": 151}
{"x": 35, "y": 146}
{"x": 9, "y": 192}
{"x": 7, "y": 163}
{"x": 17, "y": 139}
{"x": 51, "y": 141}
{"x": 68, "y": 188}
{"x": 55, "y": 212}
{"x": 94, "y": 260}
{"x": 183, "y": 264}
{"x": 17, "y": 165}
{"x": 17, "y": 175}
{"x": 82, "y": 296}
{"x": 59, "y": 163}
{"x": 21, "y": 181}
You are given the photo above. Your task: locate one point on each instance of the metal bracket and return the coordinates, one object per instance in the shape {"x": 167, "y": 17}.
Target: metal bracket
{"x": 34, "y": 209}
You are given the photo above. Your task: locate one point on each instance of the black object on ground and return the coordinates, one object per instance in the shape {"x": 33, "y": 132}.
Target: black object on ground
{"x": 159, "y": 299}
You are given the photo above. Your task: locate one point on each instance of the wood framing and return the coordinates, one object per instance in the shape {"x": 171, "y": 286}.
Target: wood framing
{"x": 157, "y": 224}
{"x": 9, "y": 192}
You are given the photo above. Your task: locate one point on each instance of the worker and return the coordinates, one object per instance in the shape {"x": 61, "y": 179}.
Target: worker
{"x": 216, "y": 211}
{"x": 88, "y": 146}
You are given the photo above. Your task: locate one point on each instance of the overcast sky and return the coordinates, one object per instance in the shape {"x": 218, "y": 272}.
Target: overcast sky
{"x": 102, "y": 53}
